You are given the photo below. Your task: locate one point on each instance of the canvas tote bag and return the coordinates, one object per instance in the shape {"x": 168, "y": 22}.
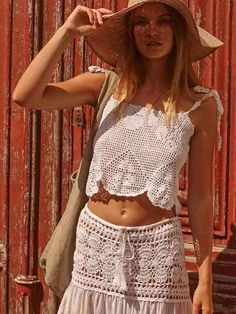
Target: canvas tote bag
{"x": 57, "y": 257}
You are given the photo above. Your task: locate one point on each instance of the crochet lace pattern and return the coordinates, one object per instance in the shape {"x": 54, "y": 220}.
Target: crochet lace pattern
{"x": 140, "y": 153}
{"x": 142, "y": 263}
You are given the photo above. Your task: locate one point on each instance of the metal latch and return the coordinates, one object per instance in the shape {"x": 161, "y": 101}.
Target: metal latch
{"x": 28, "y": 293}
{"x": 25, "y": 283}
{"x": 78, "y": 117}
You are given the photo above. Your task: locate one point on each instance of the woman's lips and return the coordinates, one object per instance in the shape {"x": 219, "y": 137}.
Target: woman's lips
{"x": 153, "y": 45}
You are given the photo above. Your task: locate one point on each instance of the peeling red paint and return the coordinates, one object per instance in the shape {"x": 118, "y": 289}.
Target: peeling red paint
{"x": 40, "y": 150}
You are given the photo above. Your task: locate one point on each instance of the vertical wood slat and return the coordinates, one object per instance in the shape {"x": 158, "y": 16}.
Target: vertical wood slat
{"x": 20, "y": 160}
{"x": 221, "y": 82}
{"x": 56, "y": 142}
{"x": 67, "y": 133}
{"x": 5, "y": 111}
{"x": 231, "y": 208}
{"x": 216, "y": 71}
{"x": 208, "y": 69}
{"x": 78, "y": 68}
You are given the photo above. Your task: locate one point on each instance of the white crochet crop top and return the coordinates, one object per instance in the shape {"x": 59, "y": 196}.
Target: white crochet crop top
{"x": 139, "y": 153}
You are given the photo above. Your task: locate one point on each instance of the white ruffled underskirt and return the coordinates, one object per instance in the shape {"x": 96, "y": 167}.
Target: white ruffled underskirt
{"x": 79, "y": 301}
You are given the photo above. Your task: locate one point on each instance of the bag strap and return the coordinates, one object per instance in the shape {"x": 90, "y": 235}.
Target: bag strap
{"x": 105, "y": 93}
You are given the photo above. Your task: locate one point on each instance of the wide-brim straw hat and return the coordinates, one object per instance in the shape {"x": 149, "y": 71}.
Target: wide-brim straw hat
{"x": 107, "y": 41}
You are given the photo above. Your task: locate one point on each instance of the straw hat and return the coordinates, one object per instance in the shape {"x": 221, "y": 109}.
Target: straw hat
{"x": 107, "y": 41}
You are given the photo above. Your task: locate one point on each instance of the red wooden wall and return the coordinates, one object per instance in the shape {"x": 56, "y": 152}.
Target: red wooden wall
{"x": 40, "y": 149}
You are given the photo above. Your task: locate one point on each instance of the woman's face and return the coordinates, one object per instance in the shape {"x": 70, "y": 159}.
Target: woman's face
{"x": 153, "y": 30}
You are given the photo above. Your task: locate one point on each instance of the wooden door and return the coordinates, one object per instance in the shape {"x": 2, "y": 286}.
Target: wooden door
{"x": 40, "y": 149}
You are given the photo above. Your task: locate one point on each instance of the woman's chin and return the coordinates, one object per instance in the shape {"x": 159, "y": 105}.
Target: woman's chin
{"x": 155, "y": 55}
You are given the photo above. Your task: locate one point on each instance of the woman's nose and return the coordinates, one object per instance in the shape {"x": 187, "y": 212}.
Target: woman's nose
{"x": 153, "y": 28}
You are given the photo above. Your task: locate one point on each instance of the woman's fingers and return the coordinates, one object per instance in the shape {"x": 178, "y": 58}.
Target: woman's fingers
{"x": 90, "y": 15}
{"x": 99, "y": 13}
{"x": 95, "y": 15}
{"x": 83, "y": 20}
{"x": 98, "y": 16}
{"x": 104, "y": 10}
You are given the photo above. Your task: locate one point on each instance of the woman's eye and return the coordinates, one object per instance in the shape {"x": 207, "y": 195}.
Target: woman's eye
{"x": 140, "y": 23}
{"x": 161, "y": 22}
{"x": 164, "y": 21}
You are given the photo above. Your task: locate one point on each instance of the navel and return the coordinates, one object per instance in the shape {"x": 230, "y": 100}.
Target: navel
{"x": 123, "y": 212}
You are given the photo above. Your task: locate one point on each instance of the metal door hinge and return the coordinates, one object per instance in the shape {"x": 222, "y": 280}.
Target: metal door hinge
{"x": 78, "y": 117}
{"x": 29, "y": 293}
{"x": 26, "y": 283}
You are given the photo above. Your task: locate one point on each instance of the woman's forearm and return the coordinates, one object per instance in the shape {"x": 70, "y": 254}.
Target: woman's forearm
{"x": 37, "y": 75}
{"x": 201, "y": 221}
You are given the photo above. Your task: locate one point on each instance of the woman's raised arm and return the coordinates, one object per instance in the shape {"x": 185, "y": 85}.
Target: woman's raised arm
{"x": 34, "y": 90}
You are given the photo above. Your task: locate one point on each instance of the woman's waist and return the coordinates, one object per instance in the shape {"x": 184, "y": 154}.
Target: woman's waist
{"x": 127, "y": 211}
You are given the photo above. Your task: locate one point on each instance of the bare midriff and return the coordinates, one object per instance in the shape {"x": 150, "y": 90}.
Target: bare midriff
{"x": 127, "y": 211}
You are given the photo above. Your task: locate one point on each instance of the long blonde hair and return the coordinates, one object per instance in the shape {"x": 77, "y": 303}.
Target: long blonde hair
{"x": 130, "y": 77}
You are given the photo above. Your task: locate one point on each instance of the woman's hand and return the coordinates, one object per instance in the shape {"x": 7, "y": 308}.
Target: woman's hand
{"x": 202, "y": 299}
{"x": 83, "y": 20}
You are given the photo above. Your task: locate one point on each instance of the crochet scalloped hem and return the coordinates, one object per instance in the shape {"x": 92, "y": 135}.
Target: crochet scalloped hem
{"x": 127, "y": 270}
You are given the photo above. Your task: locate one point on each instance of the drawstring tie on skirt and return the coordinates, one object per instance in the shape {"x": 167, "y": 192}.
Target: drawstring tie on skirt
{"x": 119, "y": 280}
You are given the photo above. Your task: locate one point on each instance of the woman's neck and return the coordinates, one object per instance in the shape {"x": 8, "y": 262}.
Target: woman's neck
{"x": 157, "y": 73}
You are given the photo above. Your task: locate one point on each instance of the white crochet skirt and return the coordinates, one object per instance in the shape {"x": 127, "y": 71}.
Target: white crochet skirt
{"x": 127, "y": 270}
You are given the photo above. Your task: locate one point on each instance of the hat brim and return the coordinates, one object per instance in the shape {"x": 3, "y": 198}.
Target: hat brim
{"x": 107, "y": 40}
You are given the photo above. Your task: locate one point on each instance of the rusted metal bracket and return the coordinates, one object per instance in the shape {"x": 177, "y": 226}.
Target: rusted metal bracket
{"x": 78, "y": 117}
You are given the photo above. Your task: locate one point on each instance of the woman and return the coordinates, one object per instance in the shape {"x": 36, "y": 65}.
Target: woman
{"x": 129, "y": 255}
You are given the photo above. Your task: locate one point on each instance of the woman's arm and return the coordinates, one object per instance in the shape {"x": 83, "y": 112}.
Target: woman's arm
{"x": 34, "y": 91}
{"x": 34, "y": 80}
{"x": 200, "y": 199}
